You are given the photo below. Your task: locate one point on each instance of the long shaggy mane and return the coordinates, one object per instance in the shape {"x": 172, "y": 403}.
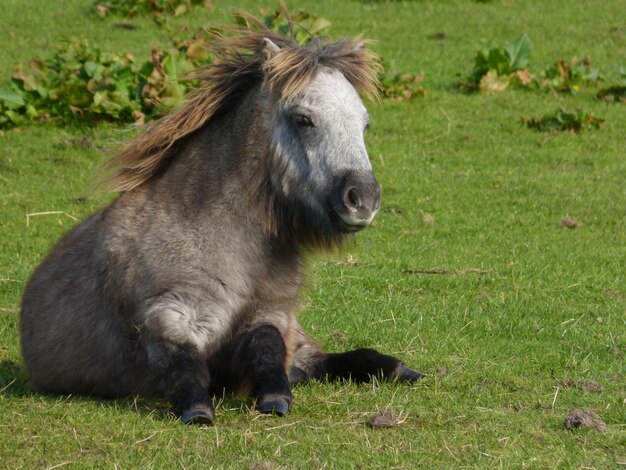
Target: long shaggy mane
{"x": 238, "y": 67}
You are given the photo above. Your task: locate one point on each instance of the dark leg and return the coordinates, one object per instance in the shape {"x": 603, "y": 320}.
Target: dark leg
{"x": 309, "y": 362}
{"x": 191, "y": 396}
{"x": 361, "y": 365}
{"x": 183, "y": 379}
{"x": 260, "y": 357}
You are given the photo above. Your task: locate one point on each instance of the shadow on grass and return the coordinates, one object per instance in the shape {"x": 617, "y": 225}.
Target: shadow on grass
{"x": 14, "y": 383}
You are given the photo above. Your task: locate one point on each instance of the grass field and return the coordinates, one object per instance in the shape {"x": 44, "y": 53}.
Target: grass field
{"x": 468, "y": 272}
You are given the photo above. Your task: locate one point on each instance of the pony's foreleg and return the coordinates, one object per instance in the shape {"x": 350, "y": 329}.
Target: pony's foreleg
{"x": 359, "y": 365}
{"x": 260, "y": 356}
{"x": 186, "y": 383}
{"x": 175, "y": 368}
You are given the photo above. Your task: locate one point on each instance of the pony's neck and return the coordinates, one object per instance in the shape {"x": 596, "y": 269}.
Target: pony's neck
{"x": 220, "y": 163}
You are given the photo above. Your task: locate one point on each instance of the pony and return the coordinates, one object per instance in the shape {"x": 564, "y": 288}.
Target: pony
{"x": 186, "y": 285}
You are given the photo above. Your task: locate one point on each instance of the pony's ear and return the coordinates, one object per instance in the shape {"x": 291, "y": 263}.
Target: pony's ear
{"x": 268, "y": 49}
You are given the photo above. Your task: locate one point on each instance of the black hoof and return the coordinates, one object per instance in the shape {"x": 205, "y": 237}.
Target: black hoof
{"x": 404, "y": 374}
{"x": 274, "y": 403}
{"x": 199, "y": 415}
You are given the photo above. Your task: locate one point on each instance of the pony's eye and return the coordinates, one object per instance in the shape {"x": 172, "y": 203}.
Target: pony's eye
{"x": 302, "y": 121}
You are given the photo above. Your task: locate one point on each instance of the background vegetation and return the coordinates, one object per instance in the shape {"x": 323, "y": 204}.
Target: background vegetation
{"x": 496, "y": 265}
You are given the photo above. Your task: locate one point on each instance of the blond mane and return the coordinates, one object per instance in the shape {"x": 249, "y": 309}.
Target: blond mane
{"x": 239, "y": 65}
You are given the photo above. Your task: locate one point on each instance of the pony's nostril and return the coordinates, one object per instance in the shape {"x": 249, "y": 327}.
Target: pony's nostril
{"x": 353, "y": 201}
{"x": 354, "y": 197}
{"x": 357, "y": 201}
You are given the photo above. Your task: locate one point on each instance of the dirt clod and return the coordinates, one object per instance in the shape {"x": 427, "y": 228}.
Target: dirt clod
{"x": 570, "y": 223}
{"x": 383, "y": 419}
{"x": 441, "y": 371}
{"x": 584, "y": 419}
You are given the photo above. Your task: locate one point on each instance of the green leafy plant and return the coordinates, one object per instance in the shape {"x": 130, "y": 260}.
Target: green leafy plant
{"x": 78, "y": 80}
{"x": 81, "y": 82}
{"x": 495, "y": 69}
{"x": 563, "y": 120}
{"x": 565, "y": 77}
{"x": 494, "y": 66}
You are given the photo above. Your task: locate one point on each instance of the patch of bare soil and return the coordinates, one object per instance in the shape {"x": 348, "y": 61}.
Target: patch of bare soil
{"x": 584, "y": 419}
{"x": 590, "y": 386}
{"x": 584, "y": 385}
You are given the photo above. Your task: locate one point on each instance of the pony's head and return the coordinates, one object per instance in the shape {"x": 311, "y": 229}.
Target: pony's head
{"x": 318, "y": 122}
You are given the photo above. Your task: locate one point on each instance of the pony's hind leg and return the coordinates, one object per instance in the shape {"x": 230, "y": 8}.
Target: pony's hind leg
{"x": 258, "y": 362}
{"x": 360, "y": 365}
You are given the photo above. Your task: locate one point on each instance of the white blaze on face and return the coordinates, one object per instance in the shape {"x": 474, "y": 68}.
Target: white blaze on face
{"x": 340, "y": 118}
{"x": 319, "y": 137}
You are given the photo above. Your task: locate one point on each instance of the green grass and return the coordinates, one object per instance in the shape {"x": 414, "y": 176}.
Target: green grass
{"x": 500, "y": 346}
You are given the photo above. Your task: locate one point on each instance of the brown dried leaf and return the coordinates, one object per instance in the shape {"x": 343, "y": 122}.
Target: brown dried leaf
{"x": 492, "y": 83}
{"x": 102, "y": 10}
{"x": 77, "y": 110}
{"x": 523, "y": 76}
{"x": 348, "y": 261}
{"x": 139, "y": 117}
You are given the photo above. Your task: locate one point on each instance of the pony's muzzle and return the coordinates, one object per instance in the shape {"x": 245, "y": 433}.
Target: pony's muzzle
{"x": 360, "y": 199}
